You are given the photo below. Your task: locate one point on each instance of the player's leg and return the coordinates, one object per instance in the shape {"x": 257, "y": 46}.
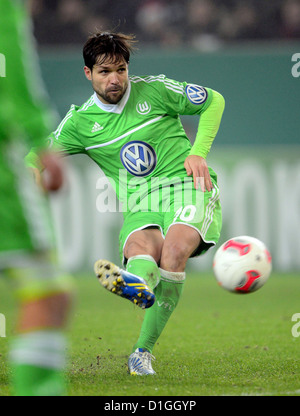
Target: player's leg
{"x": 37, "y": 353}
{"x": 191, "y": 230}
{"x": 37, "y": 350}
{"x": 141, "y": 242}
{"x": 181, "y": 241}
{"x": 142, "y": 252}
{"x": 139, "y": 248}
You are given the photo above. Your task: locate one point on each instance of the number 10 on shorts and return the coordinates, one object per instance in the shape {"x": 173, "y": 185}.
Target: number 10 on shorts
{"x": 186, "y": 214}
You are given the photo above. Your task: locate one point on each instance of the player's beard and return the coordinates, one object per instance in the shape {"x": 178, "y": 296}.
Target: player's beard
{"x": 112, "y": 95}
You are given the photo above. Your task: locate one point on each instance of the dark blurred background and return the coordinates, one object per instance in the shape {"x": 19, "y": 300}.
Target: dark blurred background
{"x": 201, "y": 24}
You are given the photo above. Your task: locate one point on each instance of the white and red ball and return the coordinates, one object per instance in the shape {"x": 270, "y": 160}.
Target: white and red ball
{"x": 242, "y": 264}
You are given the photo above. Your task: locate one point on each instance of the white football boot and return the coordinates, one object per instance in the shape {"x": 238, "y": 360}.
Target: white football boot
{"x": 139, "y": 363}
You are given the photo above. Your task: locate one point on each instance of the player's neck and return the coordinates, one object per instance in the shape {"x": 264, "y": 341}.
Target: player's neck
{"x": 113, "y": 108}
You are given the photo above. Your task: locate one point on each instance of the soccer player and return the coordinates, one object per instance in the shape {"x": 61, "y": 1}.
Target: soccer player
{"x": 170, "y": 198}
{"x": 37, "y": 351}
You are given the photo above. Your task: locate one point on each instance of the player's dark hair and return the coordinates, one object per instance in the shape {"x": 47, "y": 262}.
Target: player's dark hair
{"x": 107, "y": 46}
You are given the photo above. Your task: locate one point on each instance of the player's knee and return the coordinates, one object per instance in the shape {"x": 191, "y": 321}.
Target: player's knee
{"x": 174, "y": 256}
{"x": 45, "y": 288}
{"x": 52, "y": 311}
{"x": 134, "y": 248}
{"x": 140, "y": 247}
{"x": 46, "y": 303}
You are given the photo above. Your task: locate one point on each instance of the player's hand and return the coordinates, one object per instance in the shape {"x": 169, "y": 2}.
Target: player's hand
{"x": 53, "y": 176}
{"x": 197, "y": 166}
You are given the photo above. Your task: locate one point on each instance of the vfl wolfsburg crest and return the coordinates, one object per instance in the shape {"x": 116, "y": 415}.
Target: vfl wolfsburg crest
{"x": 143, "y": 107}
{"x": 138, "y": 158}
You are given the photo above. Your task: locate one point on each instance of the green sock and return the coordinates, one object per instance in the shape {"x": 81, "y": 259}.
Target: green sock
{"x": 30, "y": 380}
{"x": 37, "y": 362}
{"x": 146, "y": 267}
{"x": 167, "y": 294}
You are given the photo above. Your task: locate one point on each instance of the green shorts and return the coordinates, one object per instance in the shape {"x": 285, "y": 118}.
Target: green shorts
{"x": 178, "y": 204}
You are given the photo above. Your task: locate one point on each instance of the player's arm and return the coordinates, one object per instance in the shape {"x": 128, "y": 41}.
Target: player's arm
{"x": 63, "y": 141}
{"x": 210, "y": 119}
{"x": 189, "y": 99}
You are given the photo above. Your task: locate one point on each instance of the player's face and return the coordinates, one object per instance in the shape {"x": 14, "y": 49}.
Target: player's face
{"x": 109, "y": 80}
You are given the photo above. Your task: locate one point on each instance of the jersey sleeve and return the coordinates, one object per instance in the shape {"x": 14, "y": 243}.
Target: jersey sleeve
{"x": 208, "y": 127}
{"x": 182, "y": 98}
{"x": 63, "y": 140}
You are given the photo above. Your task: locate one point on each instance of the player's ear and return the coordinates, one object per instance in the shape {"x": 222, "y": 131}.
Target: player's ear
{"x": 88, "y": 73}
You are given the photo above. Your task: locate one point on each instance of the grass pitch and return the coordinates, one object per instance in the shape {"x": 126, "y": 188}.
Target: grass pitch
{"x": 216, "y": 343}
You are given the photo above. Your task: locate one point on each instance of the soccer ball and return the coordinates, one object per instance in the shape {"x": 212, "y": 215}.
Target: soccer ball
{"x": 242, "y": 264}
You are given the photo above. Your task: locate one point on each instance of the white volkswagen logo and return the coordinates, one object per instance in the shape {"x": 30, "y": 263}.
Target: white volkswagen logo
{"x": 138, "y": 158}
{"x": 196, "y": 94}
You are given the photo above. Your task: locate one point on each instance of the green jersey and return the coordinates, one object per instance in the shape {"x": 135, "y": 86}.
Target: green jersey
{"x": 141, "y": 137}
